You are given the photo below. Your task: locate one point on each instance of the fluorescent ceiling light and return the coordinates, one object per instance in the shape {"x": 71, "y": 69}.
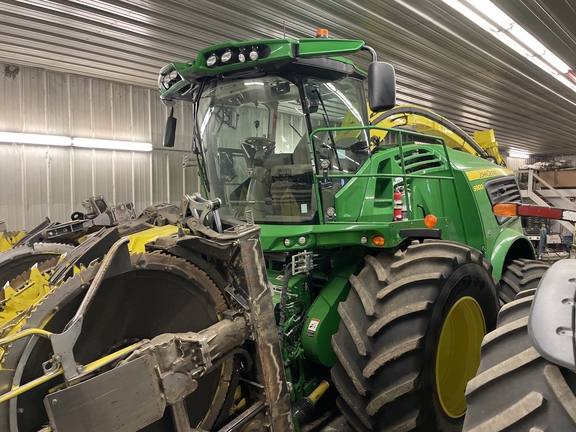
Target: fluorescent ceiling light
{"x": 553, "y": 60}
{"x": 518, "y": 155}
{"x": 501, "y": 26}
{"x": 37, "y": 139}
{"x": 527, "y": 39}
{"x": 111, "y": 144}
{"x": 56, "y": 140}
{"x": 493, "y": 12}
{"x": 566, "y": 82}
{"x": 513, "y": 44}
{"x": 468, "y": 13}
{"x": 543, "y": 65}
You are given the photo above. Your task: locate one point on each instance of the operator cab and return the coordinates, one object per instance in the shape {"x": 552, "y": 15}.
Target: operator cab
{"x": 253, "y": 126}
{"x": 254, "y": 136}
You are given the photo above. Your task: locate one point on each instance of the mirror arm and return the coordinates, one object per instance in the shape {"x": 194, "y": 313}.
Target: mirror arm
{"x": 372, "y": 52}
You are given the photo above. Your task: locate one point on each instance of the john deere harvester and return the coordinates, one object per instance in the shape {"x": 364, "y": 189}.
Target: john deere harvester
{"x": 322, "y": 251}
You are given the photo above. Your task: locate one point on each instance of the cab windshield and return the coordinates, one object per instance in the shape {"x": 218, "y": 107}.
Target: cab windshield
{"x": 256, "y": 151}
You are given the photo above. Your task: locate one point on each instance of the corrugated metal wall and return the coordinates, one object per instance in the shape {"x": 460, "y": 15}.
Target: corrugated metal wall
{"x": 38, "y": 181}
{"x": 515, "y": 163}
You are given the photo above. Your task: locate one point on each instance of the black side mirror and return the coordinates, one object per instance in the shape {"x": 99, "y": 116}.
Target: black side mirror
{"x": 170, "y": 131}
{"x": 381, "y": 86}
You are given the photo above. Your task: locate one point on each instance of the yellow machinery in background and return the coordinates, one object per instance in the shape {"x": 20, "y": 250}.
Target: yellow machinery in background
{"x": 9, "y": 238}
{"x": 425, "y": 121}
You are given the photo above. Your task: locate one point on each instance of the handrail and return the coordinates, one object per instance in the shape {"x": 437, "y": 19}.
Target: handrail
{"x": 404, "y": 176}
{"x": 570, "y": 203}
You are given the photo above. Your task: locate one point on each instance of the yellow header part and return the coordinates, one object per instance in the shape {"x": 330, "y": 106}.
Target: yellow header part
{"x": 487, "y": 173}
{"x": 138, "y": 240}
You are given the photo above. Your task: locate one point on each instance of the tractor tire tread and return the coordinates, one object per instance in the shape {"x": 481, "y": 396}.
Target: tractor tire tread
{"x": 519, "y": 275}
{"x": 516, "y": 389}
{"x": 387, "y": 346}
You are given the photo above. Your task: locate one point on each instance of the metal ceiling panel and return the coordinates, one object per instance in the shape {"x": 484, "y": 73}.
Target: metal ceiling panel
{"x": 443, "y": 60}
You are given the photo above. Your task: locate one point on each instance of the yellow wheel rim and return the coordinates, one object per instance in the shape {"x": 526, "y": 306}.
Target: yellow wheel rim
{"x": 458, "y": 354}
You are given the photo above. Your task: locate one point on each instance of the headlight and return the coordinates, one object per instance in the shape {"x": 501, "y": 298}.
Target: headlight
{"x": 227, "y": 56}
{"x": 242, "y": 55}
{"x": 254, "y": 54}
{"x": 169, "y": 78}
{"x": 211, "y": 61}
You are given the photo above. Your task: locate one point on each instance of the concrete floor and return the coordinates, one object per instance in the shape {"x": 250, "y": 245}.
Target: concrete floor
{"x": 331, "y": 421}
{"x": 328, "y": 417}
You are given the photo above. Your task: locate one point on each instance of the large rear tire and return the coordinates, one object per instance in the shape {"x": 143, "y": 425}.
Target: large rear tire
{"x": 158, "y": 294}
{"x": 410, "y": 334}
{"x": 520, "y": 275}
{"x": 516, "y": 389}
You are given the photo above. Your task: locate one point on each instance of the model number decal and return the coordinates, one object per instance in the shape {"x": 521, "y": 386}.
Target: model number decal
{"x": 478, "y": 187}
{"x": 487, "y": 173}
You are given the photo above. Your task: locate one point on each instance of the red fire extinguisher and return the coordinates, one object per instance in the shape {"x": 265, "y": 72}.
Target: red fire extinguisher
{"x": 397, "y": 205}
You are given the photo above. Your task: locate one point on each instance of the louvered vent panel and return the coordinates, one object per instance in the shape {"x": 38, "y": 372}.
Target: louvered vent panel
{"x": 419, "y": 160}
{"x": 503, "y": 190}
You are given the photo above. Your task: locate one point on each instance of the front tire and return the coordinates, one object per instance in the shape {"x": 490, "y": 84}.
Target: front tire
{"x": 520, "y": 275}
{"x": 516, "y": 389}
{"x": 410, "y": 334}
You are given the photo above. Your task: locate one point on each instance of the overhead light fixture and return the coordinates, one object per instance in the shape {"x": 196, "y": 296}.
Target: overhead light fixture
{"x": 566, "y": 81}
{"x": 111, "y": 144}
{"x": 56, "y": 140}
{"x": 518, "y": 153}
{"x": 491, "y": 18}
{"x": 37, "y": 139}
{"x": 492, "y": 11}
{"x": 472, "y": 16}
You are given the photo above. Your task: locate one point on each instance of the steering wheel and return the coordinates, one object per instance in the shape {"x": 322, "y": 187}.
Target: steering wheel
{"x": 258, "y": 147}
{"x": 259, "y": 142}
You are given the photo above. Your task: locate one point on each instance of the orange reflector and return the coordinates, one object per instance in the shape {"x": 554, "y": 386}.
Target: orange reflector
{"x": 430, "y": 221}
{"x": 378, "y": 240}
{"x": 322, "y": 33}
{"x": 505, "y": 209}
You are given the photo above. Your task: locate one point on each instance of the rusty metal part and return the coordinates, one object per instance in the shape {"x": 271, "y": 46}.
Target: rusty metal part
{"x": 239, "y": 252}
{"x": 222, "y": 366}
{"x": 183, "y": 357}
{"x": 193, "y": 354}
{"x": 201, "y": 208}
{"x": 63, "y": 343}
{"x": 243, "y": 418}
{"x": 123, "y": 399}
{"x": 269, "y": 356}
{"x": 161, "y": 372}
{"x": 81, "y": 225}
